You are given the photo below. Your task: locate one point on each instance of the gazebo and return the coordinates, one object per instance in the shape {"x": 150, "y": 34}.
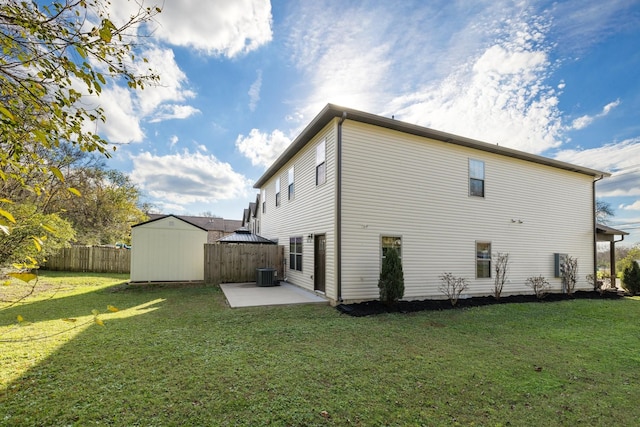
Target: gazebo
{"x": 604, "y": 233}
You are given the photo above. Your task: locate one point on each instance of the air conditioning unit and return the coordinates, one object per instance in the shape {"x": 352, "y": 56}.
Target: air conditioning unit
{"x": 266, "y": 277}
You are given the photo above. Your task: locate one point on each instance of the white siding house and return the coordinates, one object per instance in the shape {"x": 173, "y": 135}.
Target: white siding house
{"x": 167, "y": 249}
{"x": 362, "y": 182}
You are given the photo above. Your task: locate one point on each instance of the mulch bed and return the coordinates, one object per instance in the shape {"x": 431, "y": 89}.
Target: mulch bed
{"x": 369, "y": 308}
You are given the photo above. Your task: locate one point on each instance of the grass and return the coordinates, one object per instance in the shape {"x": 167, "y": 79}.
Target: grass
{"x": 181, "y": 357}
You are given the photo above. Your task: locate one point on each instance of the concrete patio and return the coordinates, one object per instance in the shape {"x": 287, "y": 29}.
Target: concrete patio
{"x": 251, "y": 295}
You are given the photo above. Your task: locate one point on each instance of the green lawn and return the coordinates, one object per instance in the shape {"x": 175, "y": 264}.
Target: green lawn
{"x": 181, "y": 357}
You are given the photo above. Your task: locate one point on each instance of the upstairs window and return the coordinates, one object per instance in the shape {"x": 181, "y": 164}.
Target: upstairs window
{"x": 295, "y": 253}
{"x": 483, "y": 260}
{"x": 321, "y": 164}
{"x": 291, "y": 188}
{"x": 476, "y": 178}
{"x": 264, "y": 201}
{"x": 278, "y": 192}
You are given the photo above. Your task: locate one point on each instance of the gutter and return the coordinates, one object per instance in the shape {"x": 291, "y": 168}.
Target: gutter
{"x": 339, "y": 209}
{"x": 595, "y": 232}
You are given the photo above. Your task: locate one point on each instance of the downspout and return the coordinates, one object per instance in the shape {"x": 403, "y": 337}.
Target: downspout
{"x": 339, "y": 209}
{"x": 595, "y": 232}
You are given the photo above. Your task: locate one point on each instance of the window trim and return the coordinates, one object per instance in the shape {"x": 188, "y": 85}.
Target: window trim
{"x": 277, "y": 191}
{"x": 473, "y": 178}
{"x": 264, "y": 201}
{"x": 295, "y": 253}
{"x": 478, "y": 259}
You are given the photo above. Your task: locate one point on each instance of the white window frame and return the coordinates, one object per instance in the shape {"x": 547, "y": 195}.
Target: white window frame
{"x": 264, "y": 201}
{"x": 295, "y": 253}
{"x": 475, "y": 177}
{"x": 483, "y": 257}
{"x": 277, "y": 191}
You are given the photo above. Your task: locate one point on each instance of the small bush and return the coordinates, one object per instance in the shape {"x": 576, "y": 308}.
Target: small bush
{"x": 452, "y": 287}
{"x": 391, "y": 283}
{"x": 631, "y": 278}
{"x": 570, "y": 274}
{"x": 539, "y": 285}
{"x": 500, "y": 267}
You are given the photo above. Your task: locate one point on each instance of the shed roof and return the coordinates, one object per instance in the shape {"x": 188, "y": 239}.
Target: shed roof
{"x": 242, "y": 235}
{"x": 205, "y": 223}
{"x": 605, "y": 229}
{"x": 331, "y": 111}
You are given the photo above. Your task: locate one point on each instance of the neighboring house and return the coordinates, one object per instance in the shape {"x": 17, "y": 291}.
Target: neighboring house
{"x": 353, "y": 184}
{"x": 250, "y": 217}
{"x": 170, "y": 248}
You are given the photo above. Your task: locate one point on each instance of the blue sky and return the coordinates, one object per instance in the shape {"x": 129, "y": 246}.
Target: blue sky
{"x": 240, "y": 79}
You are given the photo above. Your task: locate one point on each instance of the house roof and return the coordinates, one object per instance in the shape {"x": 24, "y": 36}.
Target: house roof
{"x": 331, "y": 111}
{"x": 205, "y": 223}
{"x": 605, "y": 229}
{"x": 242, "y": 235}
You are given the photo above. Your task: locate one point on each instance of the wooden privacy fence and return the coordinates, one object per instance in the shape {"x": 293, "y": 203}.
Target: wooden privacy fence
{"x": 237, "y": 263}
{"x": 95, "y": 259}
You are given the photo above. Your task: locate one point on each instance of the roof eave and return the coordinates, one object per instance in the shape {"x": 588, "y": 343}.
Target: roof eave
{"x": 331, "y": 111}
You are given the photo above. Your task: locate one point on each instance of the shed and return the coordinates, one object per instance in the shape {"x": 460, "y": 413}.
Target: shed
{"x": 167, "y": 249}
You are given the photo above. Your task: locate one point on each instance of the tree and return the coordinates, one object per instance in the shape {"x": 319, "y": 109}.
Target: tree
{"x": 391, "y": 283}
{"x": 630, "y": 255}
{"x": 38, "y": 236}
{"x": 603, "y": 211}
{"x": 51, "y": 56}
{"x": 631, "y": 278}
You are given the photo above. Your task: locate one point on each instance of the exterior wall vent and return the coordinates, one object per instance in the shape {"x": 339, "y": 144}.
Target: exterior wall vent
{"x": 558, "y": 260}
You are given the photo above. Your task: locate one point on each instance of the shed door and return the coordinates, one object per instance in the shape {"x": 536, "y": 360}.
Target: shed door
{"x": 319, "y": 262}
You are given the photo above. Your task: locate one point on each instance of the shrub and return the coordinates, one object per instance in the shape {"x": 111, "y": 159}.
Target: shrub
{"x": 452, "y": 287}
{"x": 539, "y": 285}
{"x": 631, "y": 278}
{"x": 500, "y": 267}
{"x": 569, "y": 274}
{"x": 391, "y": 283}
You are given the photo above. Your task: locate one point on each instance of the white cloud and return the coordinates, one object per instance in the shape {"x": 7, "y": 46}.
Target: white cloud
{"x": 586, "y": 120}
{"x": 499, "y": 96}
{"x": 262, "y": 148}
{"x": 254, "y": 92}
{"x": 173, "y": 141}
{"x": 187, "y": 177}
{"x": 171, "y": 87}
{"x": 219, "y": 27}
{"x": 122, "y": 123}
{"x": 635, "y": 206}
{"x": 621, "y": 159}
{"x": 167, "y": 112}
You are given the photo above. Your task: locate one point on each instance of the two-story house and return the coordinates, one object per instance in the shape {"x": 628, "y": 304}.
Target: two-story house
{"x": 353, "y": 184}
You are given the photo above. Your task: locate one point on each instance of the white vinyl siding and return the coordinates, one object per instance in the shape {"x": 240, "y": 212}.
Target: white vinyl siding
{"x": 389, "y": 188}
{"x": 313, "y": 212}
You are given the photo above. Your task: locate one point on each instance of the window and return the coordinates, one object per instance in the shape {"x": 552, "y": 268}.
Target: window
{"x": 291, "y": 189}
{"x": 476, "y": 178}
{"x": 388, "y": 242}
{"x": 295, "y": 253}
{"x": 321, "y": 164}
{"x": 278, "y": 192}
{"x": 264, "y": 201}
{"x": 483, "y": 260}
